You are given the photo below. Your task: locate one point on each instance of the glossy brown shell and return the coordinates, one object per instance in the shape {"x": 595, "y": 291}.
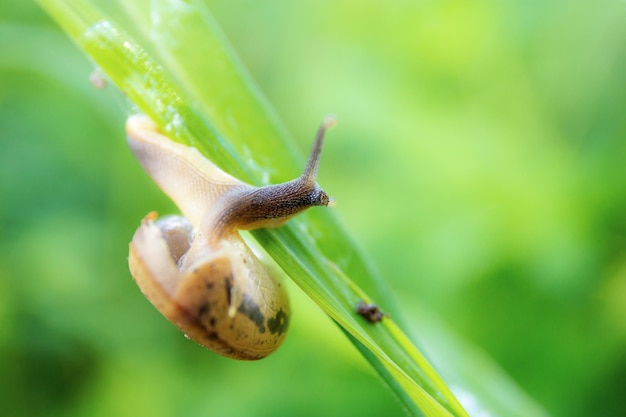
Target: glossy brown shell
{"x": 225, "y": 301}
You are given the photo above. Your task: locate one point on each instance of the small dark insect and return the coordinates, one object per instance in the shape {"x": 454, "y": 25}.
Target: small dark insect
{"x": 370, "y": 312}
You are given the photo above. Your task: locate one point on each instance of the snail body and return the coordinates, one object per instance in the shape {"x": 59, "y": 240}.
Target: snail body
{"x": 195, "y": 269}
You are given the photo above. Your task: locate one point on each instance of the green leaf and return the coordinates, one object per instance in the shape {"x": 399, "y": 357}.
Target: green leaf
{"x": 171, "y": 60}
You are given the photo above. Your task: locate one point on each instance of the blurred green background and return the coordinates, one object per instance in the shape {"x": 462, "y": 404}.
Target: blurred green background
{"x": 480, "y": 160}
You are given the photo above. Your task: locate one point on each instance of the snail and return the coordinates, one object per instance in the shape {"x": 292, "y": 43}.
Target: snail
{"x": 196, "y": 270}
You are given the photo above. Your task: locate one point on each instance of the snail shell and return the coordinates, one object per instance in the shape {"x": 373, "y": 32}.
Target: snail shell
{"x": 196, "y": 270}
